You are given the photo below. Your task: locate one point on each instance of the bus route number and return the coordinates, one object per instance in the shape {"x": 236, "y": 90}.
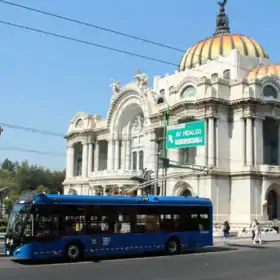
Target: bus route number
{"x": 106, "y": 241}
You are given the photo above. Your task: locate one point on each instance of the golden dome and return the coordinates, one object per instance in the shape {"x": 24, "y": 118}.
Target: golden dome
{"x": 264, "y": 70}
{"x": 220, "y": 45}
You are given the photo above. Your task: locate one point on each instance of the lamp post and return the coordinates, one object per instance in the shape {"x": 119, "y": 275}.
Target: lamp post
{"x": 3, "y": 193}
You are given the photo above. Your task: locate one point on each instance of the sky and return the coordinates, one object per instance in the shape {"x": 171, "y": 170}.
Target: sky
{"x": 46, "y": 80}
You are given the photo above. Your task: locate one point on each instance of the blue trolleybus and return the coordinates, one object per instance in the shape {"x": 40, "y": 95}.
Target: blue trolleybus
{"x": 75, "y": 227}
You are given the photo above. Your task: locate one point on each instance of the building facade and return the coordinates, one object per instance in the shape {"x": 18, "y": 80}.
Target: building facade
{"x": 229, "y": 81}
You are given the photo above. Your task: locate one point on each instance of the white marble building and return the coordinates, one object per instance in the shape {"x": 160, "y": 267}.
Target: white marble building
{"x": 227, "y": 80}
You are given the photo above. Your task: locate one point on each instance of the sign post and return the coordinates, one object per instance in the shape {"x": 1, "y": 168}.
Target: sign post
{"x": 186, "y": 135}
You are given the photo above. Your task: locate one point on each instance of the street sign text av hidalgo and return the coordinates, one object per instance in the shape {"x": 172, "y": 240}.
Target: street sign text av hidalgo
{"x": 186, "y": 135}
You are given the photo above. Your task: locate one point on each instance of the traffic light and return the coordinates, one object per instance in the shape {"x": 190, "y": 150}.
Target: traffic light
{"x": 1, "y": 130}
{"x": 165, "y": 162}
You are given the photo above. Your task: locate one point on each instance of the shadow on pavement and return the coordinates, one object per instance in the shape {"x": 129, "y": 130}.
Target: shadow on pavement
{"x": 250, "y": 246}
{"x": 216, "y": 249}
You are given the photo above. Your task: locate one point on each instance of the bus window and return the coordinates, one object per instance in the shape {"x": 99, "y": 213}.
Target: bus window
{"x": 46, "y": 226}
{"x": 147, "y": 223}
{"x": 204, "y": 221}
{"x": 122, "y": 224}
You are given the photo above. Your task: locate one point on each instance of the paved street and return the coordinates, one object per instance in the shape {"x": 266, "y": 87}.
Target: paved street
{"x": 240, "y": 261}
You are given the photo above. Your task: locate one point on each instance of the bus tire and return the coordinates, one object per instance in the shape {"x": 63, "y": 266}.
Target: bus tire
{"x": 173, "y": 246}
{"x": 74, "y": 252}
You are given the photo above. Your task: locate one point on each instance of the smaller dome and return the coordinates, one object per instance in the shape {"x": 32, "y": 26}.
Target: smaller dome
{"x": 264, "y": 70}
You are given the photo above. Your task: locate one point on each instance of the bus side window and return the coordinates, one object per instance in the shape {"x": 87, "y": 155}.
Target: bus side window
{"x": 204, "y": 221}
{"x": 147, "y": 223}
{"x": 46, "y": 225}
{"x": 122, "y": 224}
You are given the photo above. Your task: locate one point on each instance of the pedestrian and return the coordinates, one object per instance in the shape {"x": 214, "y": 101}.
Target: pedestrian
{"x": 253, "y": 225}
{"x": 258, "y": 236}
{"x": 226, "y": 229}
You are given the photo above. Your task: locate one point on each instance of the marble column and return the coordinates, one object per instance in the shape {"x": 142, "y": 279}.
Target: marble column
{"x": 152, "y": 157}
{"x": 104, "y": 190}
{"x": 96, "y": 156}
{"x": 139, "y": 159}
{"x": 110, "y": 153}
{"x": 85, "y": 161}
{"x": 249, "y": 141}
{"x": 117, "y": 154}
{"x": 128, "y": 155}
{"x": 90, "y": 156}
{"x": 243, "y": 140}
{"x": 123, "y": 152}
{"x": 70, "y": 162}
{"x": 211, "y": 141}
{"x": 258, "y": 141}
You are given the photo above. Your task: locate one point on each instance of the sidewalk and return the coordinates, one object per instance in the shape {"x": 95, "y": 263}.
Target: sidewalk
{"x": 265, "y": 238}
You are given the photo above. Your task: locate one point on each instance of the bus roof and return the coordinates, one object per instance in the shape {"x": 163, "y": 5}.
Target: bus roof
{"x": 112, "y": 200}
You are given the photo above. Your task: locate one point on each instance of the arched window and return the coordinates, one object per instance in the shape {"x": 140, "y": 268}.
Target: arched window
{"x": 226, "y": 74}
{"x": 272, "y": 205}
{"x": 72, "y": 192}
{"x": 162, "y": 92}
{"x": 171, "y": 89}
{"x": 189, "y": 91}
{"x": 160, "y": 100}
{"x": 215, "y": 76}
{"x": 79, "y": 123}
{"x": 270, "y": 91}
{"x": 186, "y": 193}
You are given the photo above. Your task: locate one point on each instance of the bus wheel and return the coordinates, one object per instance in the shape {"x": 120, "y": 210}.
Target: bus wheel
{"x": 172, "y": 246}
{"x": 74, "y": 252}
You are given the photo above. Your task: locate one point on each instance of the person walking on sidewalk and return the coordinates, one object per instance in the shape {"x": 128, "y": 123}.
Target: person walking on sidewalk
{"x": 226, "y": 229}
{"x": 258, "y": 236}
{"x": 253, "y": 225}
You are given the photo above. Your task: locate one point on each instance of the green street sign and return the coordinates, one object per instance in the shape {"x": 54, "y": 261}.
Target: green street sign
{"x": 185, "y": 135}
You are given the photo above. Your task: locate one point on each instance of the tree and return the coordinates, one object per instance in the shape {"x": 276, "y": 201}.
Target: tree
{"x": 22, "y": 177}
{"x": 8, "y": 165}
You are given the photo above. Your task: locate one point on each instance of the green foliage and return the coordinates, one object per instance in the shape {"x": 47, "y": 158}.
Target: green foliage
{"x": 3, "y": 222}
{"x": 20, "y": 178}
{"x": 3, "y": 228}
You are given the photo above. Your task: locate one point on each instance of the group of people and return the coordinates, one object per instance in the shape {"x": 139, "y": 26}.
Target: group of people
{"x": 255, "y": 227}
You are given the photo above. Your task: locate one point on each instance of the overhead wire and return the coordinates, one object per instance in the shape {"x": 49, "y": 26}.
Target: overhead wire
{"x": 88, "y": 43}
{"x": 30, "y": 129}
{"x": 93, "y": 26}
{"x": 116, "y": 32}
{"x": 14, "y": 148}
{"x": 97, "y": 45}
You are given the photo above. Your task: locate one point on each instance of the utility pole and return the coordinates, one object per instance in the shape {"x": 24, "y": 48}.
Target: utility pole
{"x": 164, "y": 168}
{"x": 156, "y": 173}
{"x": 158, "y": 156}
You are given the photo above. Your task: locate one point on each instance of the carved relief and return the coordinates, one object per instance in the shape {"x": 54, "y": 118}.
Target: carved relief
{"x": 276, "y": 112}
{"x": 137, "y": 125}
{"x": 142, "y": 81}
{"x": 115, "y": 85}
